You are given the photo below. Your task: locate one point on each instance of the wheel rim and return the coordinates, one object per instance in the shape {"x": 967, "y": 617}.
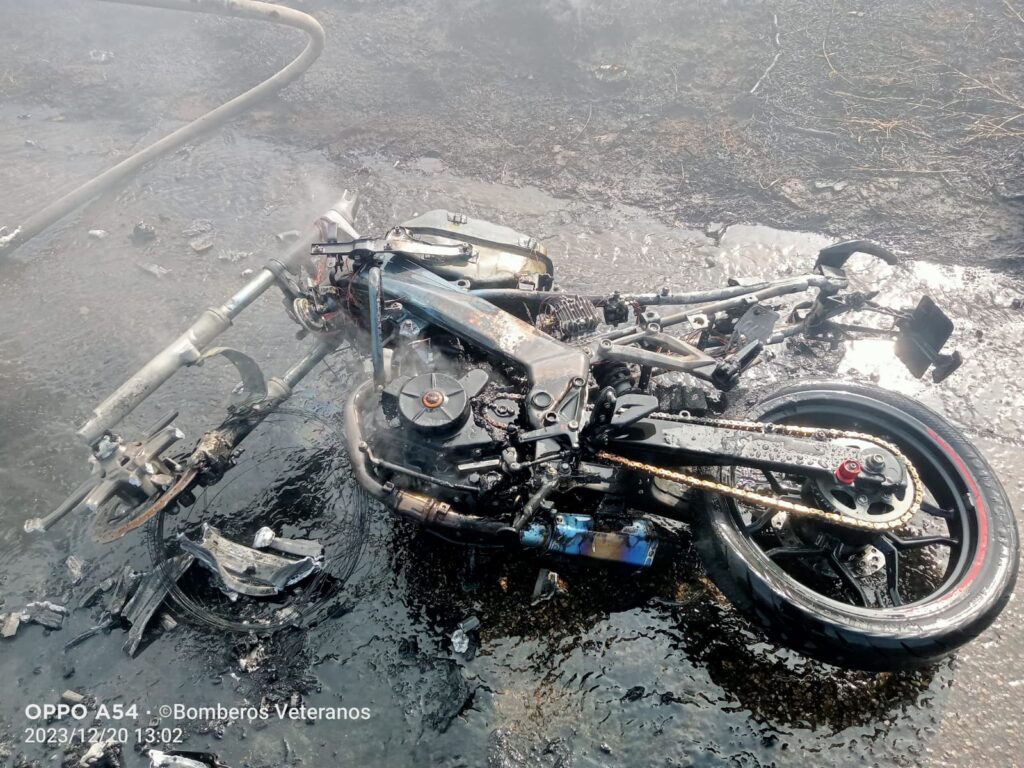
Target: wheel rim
{"x": 920, "y": 564}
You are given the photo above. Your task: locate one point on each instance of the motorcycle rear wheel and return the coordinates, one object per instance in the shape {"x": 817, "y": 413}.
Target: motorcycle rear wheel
{"x": 946, "y": 575}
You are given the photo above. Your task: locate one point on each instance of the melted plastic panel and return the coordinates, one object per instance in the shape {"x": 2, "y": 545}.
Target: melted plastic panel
{"x": 243, "y": 569}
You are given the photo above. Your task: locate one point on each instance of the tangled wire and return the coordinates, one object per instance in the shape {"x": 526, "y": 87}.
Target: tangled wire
{"x": 316, "y": 497}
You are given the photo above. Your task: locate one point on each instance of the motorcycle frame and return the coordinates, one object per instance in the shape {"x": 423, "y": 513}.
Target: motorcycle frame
{"x": 558, "y": 372}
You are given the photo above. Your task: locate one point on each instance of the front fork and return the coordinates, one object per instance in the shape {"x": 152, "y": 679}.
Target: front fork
{"x": 134, "y": 473}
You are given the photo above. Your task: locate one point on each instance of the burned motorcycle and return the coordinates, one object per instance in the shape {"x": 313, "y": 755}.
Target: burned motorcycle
{"x": 853, "y": 523}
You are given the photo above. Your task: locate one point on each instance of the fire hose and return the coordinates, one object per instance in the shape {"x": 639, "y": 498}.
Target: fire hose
{"x": 112, "y": 177}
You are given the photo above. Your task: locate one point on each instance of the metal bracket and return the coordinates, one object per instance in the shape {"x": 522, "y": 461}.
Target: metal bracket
{"x": 254, "y": 385}
{"x": 757, "y": 324}
{"x": 684, "y": 357}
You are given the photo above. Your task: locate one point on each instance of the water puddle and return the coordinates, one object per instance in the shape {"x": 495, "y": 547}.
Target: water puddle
{"x": 630, "y": 669}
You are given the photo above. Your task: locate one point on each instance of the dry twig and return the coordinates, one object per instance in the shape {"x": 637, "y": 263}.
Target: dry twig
{"x": 775, "y": 59}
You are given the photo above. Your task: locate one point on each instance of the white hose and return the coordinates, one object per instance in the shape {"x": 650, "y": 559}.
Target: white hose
{"x": 246, "y": 9}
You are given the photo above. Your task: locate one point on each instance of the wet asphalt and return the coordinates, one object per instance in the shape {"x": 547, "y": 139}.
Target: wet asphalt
{"x": 627, "y": 669}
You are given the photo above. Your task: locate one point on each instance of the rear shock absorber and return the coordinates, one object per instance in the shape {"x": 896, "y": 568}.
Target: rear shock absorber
{"x": 614, "y": 374}
{"x": 614, "y": 379}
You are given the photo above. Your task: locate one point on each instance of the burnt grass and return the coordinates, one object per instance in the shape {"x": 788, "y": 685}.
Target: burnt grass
{"x": 899, "y": 122}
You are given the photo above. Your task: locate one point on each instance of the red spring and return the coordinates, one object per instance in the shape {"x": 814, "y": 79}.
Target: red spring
{"x": 847, "y": 472}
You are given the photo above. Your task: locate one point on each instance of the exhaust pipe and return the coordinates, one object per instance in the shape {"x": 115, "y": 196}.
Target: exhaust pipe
{"x": 425, "y": 510}
{"x": 635, "y": 544}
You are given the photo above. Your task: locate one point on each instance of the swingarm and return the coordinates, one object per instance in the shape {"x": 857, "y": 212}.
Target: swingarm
{"x": 688, "y": 441}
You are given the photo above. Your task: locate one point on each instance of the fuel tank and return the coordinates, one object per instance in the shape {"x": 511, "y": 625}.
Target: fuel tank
{"x": 501, "y": 257}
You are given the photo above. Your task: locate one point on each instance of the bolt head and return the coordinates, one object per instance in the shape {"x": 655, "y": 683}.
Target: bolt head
{"x": 433, "y": 398}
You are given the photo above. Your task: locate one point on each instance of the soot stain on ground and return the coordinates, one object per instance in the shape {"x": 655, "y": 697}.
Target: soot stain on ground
{"x": 619, "y": 136}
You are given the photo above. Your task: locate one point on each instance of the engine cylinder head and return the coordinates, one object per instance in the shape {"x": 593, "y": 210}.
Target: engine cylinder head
{"x": 568, "y": 316}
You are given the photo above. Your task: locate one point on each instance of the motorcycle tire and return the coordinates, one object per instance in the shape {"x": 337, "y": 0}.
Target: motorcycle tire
{"x": 979, "y": 573}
